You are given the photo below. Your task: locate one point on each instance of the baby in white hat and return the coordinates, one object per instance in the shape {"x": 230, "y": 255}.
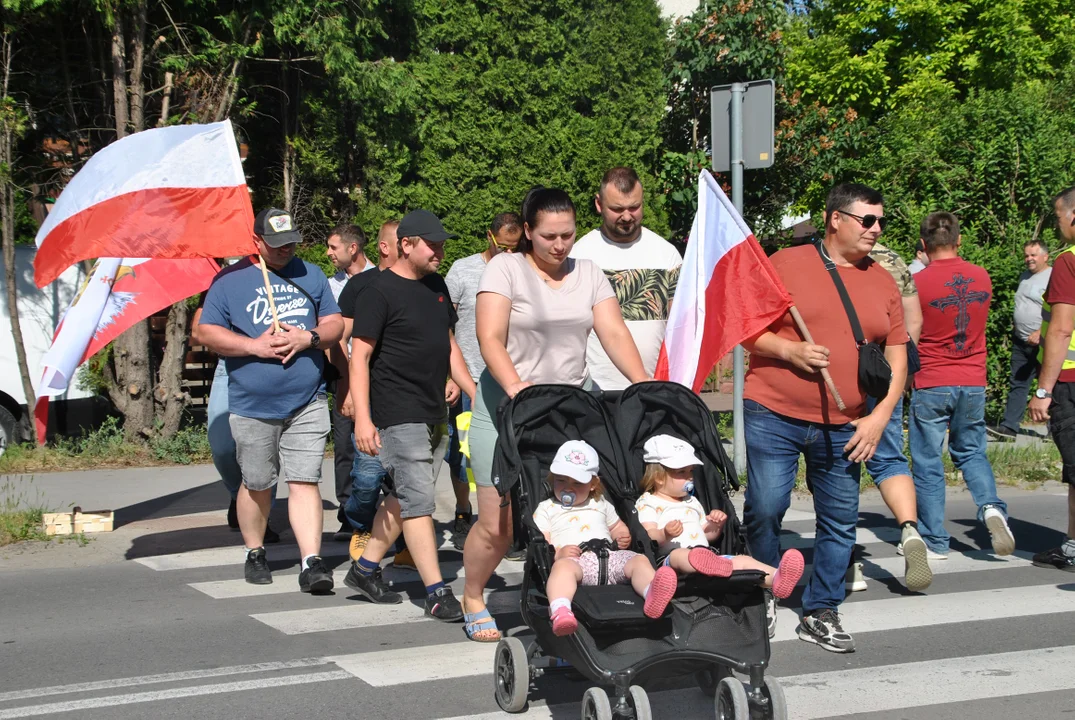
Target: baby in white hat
{"x": 679, "y": 524}
{"x": 577, "y": 513}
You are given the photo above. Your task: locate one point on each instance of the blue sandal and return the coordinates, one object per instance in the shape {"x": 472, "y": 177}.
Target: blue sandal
{"x": 473, "y": 622}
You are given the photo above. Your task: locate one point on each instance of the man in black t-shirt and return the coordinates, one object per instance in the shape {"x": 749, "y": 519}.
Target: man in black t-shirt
{"x": 402, "y": 349}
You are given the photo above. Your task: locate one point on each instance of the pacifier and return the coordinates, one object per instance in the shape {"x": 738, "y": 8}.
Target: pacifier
{"x": 567, "y": 498}
{"x": 688, "y": 487}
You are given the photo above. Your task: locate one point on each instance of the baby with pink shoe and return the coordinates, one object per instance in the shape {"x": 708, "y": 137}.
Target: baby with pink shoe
{"x": 577, "y": 513}
{"x": 679, "y": 524}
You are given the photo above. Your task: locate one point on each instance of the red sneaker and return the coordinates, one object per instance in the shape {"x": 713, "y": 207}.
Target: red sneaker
{"x": 709, "y": 563}
{"x": 564, "y": 622}
{"x": 661, "y": 591}
{"x": 788, "y": 574}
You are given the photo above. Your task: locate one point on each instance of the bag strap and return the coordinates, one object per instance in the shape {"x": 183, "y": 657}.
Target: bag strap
{"x": 289, "y": 281}
{"x": 856, "y": 328}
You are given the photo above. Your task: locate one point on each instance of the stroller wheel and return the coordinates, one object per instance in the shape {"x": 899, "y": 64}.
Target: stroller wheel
{"x": 778, "y": 706}
{"x": 511, "y": 673}
{"x": 732, "y": 703}
{"x": 595, "y": 705}
{"x": 709, "y": 678}
{"x": 639, "y": 703}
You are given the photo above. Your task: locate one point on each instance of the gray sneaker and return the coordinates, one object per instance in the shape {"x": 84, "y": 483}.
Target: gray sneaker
{"x": 856, "y": 581}
{"x": 917, "y": 574}
{"x": 822, "y": 627}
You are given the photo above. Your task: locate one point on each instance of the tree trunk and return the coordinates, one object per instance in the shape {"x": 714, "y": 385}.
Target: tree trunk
{"x": 138, "y": 54}
{"x": 288, "y": 149}
{"x": 7, "y": 226}
{"x": 119, "y": 74}
{"x": 171, "y": 399}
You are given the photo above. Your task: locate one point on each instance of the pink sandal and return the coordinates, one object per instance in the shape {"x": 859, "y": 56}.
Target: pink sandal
{"x": 660, "y": 593}
{"x": 709, "y": 563}
{"x": 788, "y": 574}
{"x": 564, "y": 622}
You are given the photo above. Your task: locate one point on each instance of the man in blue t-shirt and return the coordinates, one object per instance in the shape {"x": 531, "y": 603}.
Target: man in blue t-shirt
{"x": 276, "y": 395}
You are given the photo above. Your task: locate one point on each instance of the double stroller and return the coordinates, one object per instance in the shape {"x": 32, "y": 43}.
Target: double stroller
{"x": 712, "y": 626}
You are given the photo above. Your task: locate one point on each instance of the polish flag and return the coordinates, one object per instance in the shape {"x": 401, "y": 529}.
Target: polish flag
{"x": 728, "y": 291}
{"x": 117, "y": 294}
{"x": 174, "y": 192}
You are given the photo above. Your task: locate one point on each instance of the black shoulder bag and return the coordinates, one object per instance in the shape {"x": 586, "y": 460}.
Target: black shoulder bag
{"x": 875, "y": 374}
{"x": 329, "y": 373}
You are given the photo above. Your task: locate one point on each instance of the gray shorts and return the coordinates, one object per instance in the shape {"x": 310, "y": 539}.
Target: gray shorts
{"x": 412, "y": 454}
{"x": 292, "y": 449}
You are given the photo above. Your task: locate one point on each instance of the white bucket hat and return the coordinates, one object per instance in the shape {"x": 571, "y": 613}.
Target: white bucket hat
{"x": 577, "y": 460}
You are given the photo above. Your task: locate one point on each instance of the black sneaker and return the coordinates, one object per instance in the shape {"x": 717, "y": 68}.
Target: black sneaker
{"x": 770, "y": 611}
{"x": 516, "y": 554}
{"x": 316, "y": 578}
{"x": 463, "y": 521}
{"x": 344, "y": 533}
{"x": 233, "y": 516}
{"x": 443, "y": 606}
{"x": 271, "y": 536}
{"x": 1001, "y": 433}
{"x": 372, "y": 587}
{"x": 822, "y": 627}
{"x": 1055, "y": 558}
{"x": 257, "y": 568}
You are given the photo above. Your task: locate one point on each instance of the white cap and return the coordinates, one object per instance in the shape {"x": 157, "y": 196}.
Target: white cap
{"x": 576, "y": 460}
{"x": 670, "y": 452}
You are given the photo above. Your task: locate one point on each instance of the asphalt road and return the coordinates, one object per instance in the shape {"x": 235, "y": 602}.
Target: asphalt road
{"x": 154, "y": 620}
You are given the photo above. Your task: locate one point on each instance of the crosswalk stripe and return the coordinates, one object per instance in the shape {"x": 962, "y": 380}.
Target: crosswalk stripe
{"x": 873, "y": 689}
{"x": 183, "y": 692}
{"x": 288, "y": 583}
{"x": 863, "y": 536}
{"x": 438, "y": 662}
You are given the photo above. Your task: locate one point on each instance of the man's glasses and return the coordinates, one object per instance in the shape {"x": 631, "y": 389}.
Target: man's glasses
{"x": 867, "y": 221}
{"x": 503, "y": 248}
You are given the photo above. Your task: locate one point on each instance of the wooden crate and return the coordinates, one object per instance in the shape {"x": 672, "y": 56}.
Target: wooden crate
{"x": 77, "y": 521}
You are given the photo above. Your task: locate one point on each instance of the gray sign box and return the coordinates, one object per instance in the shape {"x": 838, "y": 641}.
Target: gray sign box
{"x": 757, "y": 125}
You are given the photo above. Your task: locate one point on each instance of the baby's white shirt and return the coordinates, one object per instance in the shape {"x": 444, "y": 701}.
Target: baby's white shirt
{"x": 653, "y": 509}
{"x": 577, "y": 524}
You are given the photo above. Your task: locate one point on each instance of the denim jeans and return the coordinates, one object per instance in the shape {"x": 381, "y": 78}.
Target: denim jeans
{"x": 774, "y": 444}
{"x": 959, "y": 410}
{"x": 218, "y": 428}
{"x": 889, "y": 460}
{"x": 1025, "y": 369}
{"x": 367, "y": 475}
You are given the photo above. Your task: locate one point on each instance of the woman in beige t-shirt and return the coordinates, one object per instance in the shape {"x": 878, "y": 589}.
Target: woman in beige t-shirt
{"x": 535, "y": 310}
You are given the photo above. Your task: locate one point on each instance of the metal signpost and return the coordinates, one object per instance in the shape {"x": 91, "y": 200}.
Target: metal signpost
{"x": 742, "y": 138}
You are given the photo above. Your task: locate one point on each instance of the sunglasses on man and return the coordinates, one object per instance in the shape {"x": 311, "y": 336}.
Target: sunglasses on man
{"x": 867, "y": 221}
{"x": 502, "y": 248}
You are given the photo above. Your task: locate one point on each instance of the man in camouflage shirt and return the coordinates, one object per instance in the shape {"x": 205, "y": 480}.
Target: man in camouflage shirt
{"x": 888, "y": 467}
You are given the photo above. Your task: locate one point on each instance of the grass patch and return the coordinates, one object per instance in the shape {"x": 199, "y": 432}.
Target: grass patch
{"x": 19, "y": 520}
{"x": 1016, "y": 465}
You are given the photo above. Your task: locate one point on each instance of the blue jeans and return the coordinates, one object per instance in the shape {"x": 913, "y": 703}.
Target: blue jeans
{"x": 774, "y": 444}
{"x": 218, "y": 428}
{"x": 367, "y": 475}
{"x": 889, "y": 460}
{"x": 959, "y": 410}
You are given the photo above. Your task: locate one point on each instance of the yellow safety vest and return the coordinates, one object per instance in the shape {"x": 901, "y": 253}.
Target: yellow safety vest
{"x": 1046, "y": 316}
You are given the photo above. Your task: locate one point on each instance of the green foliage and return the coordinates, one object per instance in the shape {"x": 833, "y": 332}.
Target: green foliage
{"x": 20, "y": 516}
{"x": 189, "y": 445}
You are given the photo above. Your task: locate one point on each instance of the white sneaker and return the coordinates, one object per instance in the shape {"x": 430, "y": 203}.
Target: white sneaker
{"x": 930, "y": 554}
{"x": 856, "y": 582}
{"x": 999, "y": 532}
{"x": 917, "y": 574}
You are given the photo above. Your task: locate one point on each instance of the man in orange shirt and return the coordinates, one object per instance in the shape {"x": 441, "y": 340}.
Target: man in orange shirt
{"x": 789, "y": 413}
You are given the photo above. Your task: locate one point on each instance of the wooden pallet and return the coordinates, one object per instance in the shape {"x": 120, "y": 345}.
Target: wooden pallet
{"x": 77, "y": 521}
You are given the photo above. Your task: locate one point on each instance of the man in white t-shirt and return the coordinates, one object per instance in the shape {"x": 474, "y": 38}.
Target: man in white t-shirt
{"x": 642, "y": 267}
{"x": 345, "y": 243}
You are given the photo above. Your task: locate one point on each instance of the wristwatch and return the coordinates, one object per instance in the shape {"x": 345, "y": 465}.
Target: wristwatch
{"x": 315, "y": 339}
{"x": 1042, "y": 393}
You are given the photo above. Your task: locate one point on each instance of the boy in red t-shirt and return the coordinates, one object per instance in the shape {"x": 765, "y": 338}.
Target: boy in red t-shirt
{"x": 949, "y": 393}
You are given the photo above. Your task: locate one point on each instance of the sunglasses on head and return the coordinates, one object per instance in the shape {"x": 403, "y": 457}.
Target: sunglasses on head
{"x": 867, "y": 221}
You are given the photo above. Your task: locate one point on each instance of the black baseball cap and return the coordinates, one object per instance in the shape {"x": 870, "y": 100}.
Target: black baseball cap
{"x": 423, "y": 224}
{"x": 276, "y": 227}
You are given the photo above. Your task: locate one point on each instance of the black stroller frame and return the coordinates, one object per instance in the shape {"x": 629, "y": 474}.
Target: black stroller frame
{"x": 713, "y": 625}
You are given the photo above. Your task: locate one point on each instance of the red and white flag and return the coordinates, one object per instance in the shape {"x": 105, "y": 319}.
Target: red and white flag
{"x": 728, "y": 291}
{"x": 174, "y": 192}
{"x": 117, "y": 294}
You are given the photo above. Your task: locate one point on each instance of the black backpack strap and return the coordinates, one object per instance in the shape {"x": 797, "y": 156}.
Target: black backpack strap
{"x": 291, "y": 281}
{"x": 856, "y": 328}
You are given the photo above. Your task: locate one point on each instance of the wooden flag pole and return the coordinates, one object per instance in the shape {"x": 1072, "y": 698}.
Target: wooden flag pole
{"x": 272, "y": 301}
{"x": 824, "y": 371}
